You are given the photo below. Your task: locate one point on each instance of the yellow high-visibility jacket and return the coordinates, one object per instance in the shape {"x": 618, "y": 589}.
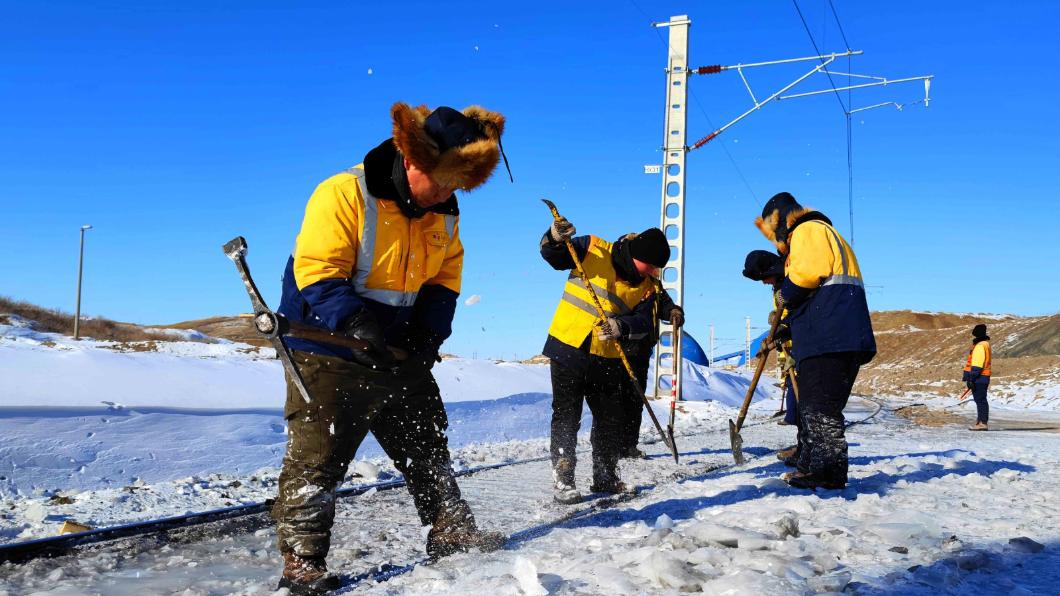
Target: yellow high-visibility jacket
{"x": 576, "y": 316}
{"x": 359, "y": 251}
{"x": 825, "y": 293}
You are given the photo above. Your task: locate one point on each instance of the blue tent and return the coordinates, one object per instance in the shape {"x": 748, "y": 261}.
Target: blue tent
{"x": 692, "y": 351}
{"x": 741, "y": 356}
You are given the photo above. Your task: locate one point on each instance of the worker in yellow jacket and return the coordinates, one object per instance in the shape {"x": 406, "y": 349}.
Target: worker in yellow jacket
{"x": 379, "y": 258}
{"x": 828, "y": 315}
{"x": 584, "y": 350}
{"x": 977, "y": 375}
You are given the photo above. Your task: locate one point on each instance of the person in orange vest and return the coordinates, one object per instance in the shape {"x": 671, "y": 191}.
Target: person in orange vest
{"x": 584, "y": 350}
{"x": 977, "y": 375}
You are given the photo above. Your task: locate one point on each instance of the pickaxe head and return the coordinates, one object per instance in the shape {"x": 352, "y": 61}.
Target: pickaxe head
{"x": 235, "y": 248}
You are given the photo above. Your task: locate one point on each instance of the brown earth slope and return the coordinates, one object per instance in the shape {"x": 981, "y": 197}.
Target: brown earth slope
{"x": 925, "y": 352}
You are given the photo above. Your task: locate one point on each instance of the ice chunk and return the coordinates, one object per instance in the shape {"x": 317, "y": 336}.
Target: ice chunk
{"x": 35, "y": 512}
{"x": 366, "y": 469}
{"x": 897, "y": 532}
{"x": 670, "y": 571}
{"x": 829, "y": 583}
{"x": 664, "y": 522}
{"x": 705, "y": 532}
{"x": 787, "y": 526}
{"x": 525, "y": 572}
{"x": 1025, "y": 545}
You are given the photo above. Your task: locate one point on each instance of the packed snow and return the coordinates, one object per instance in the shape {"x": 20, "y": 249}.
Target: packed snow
{"x": 102, "y": 436}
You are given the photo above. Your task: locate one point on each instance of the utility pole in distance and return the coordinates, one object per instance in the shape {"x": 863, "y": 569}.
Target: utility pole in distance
{"x": 80, "y": 270}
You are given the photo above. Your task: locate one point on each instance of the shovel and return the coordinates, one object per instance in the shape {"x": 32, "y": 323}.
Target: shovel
{"x": 735, "y": 440}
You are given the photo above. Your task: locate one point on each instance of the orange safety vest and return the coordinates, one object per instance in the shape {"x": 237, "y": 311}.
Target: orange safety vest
{"x": 982, "y": 362}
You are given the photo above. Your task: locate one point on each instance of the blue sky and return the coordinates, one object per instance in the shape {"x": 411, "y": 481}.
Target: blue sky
{"x": 172, "y": 127}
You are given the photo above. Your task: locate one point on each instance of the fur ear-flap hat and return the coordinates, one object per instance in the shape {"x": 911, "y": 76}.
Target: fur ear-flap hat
{"x": 779, "y": 213}
{"x": 456, "y": 149}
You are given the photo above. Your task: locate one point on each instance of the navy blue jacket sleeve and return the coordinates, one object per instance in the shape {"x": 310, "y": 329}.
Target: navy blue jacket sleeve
{"x": 640, "y": 321}
{"x": 331, "y": 302}
{"x": 432, "y": 318}
{"x": 793, "y": 294}
{"x": 556, "y": 253}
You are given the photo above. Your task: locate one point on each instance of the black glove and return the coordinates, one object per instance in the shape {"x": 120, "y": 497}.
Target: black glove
{"x": 418, "y": 363}
{"x": 364, "y": 327}
{"x": 970, "y": 384}
{"x": 677, "y": 317}
{"x": 783, "y": 333}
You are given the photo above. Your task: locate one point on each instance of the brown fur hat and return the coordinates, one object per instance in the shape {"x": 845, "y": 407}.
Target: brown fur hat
{"x": 465, "y": 166}
{"x": 768, "y": 226}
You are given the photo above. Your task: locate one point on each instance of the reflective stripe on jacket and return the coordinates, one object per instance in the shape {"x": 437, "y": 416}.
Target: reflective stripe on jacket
{"x": 825, "y": 293}
{"x": 978, "y": 365}
{"x": 576, "y": 316}
{"x": 358, "y": 251}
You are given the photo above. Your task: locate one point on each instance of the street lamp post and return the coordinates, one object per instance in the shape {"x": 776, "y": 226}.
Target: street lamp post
{"x": 80, "y": 269}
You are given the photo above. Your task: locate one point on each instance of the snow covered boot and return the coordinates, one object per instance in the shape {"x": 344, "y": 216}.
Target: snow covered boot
{"x": 306, "y": 576}
{"x": 563, "y": 489}
{"x": 978, "y": 426}
{"x": 455, "y": 531}
{"x": 810, "y": 481}
{"x": 633, "y": 453}
{"x": 606, "y": 480}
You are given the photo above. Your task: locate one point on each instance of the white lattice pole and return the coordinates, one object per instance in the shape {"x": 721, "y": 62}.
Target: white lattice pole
{"x": 673, "y": 192}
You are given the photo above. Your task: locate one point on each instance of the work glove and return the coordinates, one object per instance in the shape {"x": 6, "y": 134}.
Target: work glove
{"x": 782, "y": 334}
{"x": 561, "y": 230}
{"x": 970, "y": 384}
{"x": 677, "y": 317}
{"x": 364, "y": 327}
{"x": 418, "y": 363}
{"x": 611, "y": 328}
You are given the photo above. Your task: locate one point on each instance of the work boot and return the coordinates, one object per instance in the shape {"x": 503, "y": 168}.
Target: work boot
{"x": 811, "y": 481}
{"x": 978, "y": 426}
{"x": 563, "y": 489}
{"x": 784, "y": 454}
{"x": 606, "y": 480}
{"x": 632, "y": 453}
{"x": 306, "y": 576}
{"x": 454, "y": 531}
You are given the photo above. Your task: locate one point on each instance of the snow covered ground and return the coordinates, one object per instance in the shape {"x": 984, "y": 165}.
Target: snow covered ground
{"x": 928, "y": 510}
{"x": 130, "y": 435}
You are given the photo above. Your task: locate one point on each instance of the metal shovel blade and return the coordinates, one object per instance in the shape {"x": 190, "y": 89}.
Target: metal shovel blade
{"x": 737, "y": 444}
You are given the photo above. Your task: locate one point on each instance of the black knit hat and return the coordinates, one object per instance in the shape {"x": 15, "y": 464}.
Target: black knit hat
{"x": 761, "y": 264}
{"x": 979, "y": 331}
{"x": 783, "y": 201}
{"x": 651, "y": 247}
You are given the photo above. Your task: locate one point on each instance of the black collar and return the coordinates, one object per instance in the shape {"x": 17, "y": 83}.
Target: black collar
{"x": 384, "y": 174}
{"x": 622, "y": 261}
{"x": 811, "y": 216}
